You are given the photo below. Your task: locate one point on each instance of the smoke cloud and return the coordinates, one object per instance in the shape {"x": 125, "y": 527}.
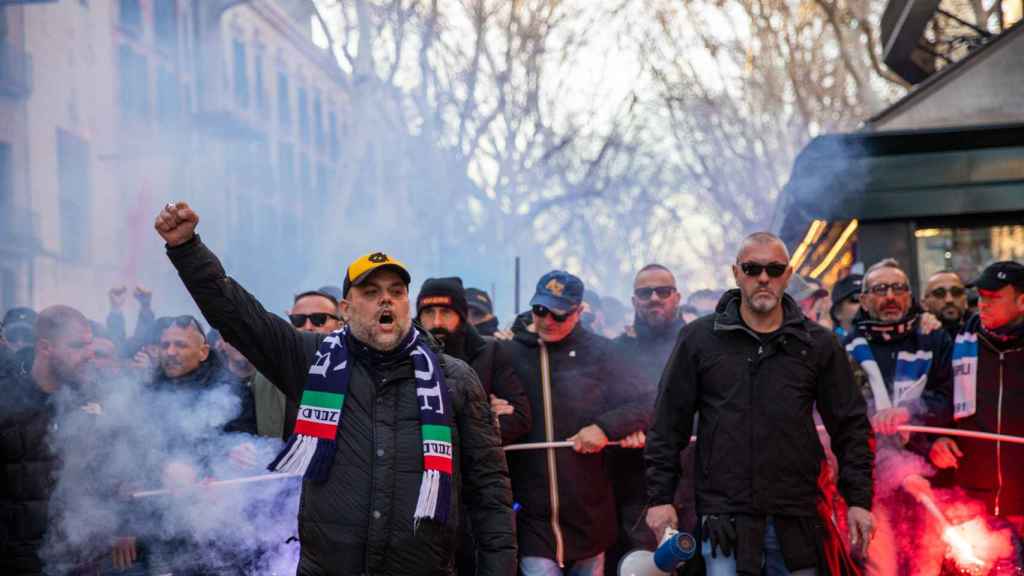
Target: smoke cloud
{"x": 124, "y": 437}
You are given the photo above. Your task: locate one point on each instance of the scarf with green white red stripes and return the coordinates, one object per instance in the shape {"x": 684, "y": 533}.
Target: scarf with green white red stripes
{"x": 310, "y": 451}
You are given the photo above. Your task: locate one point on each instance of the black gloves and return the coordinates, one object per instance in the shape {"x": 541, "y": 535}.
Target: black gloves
{"x": 721, "y": 530}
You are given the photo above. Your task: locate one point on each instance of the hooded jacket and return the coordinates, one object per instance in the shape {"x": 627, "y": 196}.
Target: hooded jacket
{"x": 360, "y": 521}
{"x": 568, "y": 508}
{"x": 758, "y": 452}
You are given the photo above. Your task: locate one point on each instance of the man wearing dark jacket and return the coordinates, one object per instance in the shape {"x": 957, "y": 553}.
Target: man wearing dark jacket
{"x": 988, "y": 362}
{"x": 579, "y": 390}
{"x": 754, "y": 371}
{"x": 392, "y": 438}
{"x": 906, "y": 377}
{"x": 441, "y": 309}
{"x": 646, "y": 347}
{"x": 62, "y": 357}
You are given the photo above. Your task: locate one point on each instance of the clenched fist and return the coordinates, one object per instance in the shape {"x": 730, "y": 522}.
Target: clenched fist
{"x": 176, "y": 223}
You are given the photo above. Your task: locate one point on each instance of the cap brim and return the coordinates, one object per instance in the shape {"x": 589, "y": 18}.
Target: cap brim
{"x": 989, "y": 284}
{"x": 556, "y": 305}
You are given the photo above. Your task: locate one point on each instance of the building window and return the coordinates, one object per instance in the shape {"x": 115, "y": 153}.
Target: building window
{"x": 301, "y": 108}
{"x": 284, "y": 101}
{"x": 74, "y": 195}
{"x": 259, "y": 87}
{"x": 318, "y": 122}
{"x": 165, "y": 24}
{"x": 967, "y": 251}
{"x": 332, "y": 128}
{"x": 130, "y": 16}
{"x": 241, "y": 75}
{"x": 168, "y": 97}
{"x": 134, "y": 82}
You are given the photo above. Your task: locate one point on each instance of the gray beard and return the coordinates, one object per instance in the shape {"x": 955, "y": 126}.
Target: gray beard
{"x": 364, "y": 334}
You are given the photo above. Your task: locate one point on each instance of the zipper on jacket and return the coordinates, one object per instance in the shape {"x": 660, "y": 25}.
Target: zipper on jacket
{"x": 999, "y": 444}
{"x": 549, "y": 436}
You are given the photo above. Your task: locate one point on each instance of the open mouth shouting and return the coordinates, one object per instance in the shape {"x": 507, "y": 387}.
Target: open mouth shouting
{"x": 386, "y": 321}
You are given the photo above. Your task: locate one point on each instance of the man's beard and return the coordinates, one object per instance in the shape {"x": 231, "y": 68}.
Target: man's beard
{"x": 762, "y": 302}
{"x": 364, "y": 331}
{"x": 453, "y": 343}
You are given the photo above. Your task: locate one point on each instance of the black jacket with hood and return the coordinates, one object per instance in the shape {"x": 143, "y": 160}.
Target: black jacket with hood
{"x": 568, "y": 508}
{"x": 758, "y": 452}
{"x": 360, "y": 521}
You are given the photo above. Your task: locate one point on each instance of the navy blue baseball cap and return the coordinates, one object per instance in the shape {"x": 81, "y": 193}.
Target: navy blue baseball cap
{"x": 558, "y": 291}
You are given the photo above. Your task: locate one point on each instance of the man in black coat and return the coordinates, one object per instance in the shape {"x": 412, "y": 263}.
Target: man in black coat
{"x": 441, "y": 309}
{"x": 579, "y": 390}
{"x": 62, "y": 358}
{"x": 646, "y": 346}
{"x": 357, "y": 513}
{"x": 753, "y": 372}
{"x": 988, "y": 362}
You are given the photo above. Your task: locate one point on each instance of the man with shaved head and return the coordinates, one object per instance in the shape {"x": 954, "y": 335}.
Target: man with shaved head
{"x": 753, "y": 371}
{"x": 946, "y": 297}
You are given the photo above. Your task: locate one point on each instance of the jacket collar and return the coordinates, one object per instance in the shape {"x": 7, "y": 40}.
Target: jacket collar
{"x": 727, "y": 317}
{"x": 645, "y": 333}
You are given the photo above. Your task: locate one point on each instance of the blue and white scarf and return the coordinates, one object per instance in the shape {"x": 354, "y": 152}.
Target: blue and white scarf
{"x": 907, "y": 384}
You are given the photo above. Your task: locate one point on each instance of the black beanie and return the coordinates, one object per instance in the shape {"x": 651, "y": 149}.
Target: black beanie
{"x": 447, "y": 292}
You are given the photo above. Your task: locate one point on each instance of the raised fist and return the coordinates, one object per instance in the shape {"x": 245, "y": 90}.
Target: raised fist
{"x": 117, "y": 296}
{"x": 176, "y": 223}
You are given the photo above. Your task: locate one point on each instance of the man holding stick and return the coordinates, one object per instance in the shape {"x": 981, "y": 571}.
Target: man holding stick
{"x": 391, "y": 436}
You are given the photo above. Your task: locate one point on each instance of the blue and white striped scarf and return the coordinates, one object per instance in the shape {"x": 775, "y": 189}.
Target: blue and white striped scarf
{"x": 908, "y": 382}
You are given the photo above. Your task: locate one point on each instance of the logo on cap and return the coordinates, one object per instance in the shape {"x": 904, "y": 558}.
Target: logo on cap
{"x": 1001, "y": 275}
{"x": 555, "y": 287}
{"x": 377, "y": 257}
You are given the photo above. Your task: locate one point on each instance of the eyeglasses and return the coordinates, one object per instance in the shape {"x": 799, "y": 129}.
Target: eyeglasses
{"x": 318, "y": 319}
{"x": 897, "y": 288}
{"x": 753, "y": 269}
{"x": 663, "y": 292}
{"x": 543, "y": 312}
{"x": 954, "y": 291}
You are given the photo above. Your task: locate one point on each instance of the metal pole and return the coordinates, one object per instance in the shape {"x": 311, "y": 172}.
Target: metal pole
{"x": 517, "y": 286}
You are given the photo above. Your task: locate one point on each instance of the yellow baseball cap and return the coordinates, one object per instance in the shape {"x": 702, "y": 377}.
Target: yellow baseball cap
{"x": 363, "y": 267}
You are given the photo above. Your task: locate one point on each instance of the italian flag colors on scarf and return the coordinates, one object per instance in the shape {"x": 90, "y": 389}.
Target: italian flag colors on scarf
{"x": 310, "y": 451}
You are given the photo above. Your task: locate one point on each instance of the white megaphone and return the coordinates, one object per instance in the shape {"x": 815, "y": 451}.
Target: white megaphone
{"x": 674, "y": 551}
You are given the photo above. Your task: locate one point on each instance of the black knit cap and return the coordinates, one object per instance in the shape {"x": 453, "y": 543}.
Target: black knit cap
{"x": 447, "y": 292}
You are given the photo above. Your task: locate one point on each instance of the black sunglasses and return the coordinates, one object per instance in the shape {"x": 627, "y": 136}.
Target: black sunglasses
{"x": 663, "y": 292}
{"x": 317, "y": 319}
{"x": 183, "y": 321}
{"x": 883, "y": 289}
{"x": 753, "y": 269}
{"x": 543, "y": 312}
{"x": 955, "y": 292}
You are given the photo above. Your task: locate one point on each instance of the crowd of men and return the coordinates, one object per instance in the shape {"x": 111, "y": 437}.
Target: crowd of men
{"x": 431, "y": 441}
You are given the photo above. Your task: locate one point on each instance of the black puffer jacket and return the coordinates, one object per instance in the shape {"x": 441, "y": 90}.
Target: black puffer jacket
{"x": 994, "y": 471}
{"x": 757, "y": 449}
{"x": 589, "y": 385}
{"x": 360, "y": 520}
{"x": 28, "y": 465}
{"x": 492, "y": 362}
